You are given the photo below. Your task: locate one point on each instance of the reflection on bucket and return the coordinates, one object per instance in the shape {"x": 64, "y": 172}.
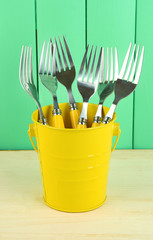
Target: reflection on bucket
{"x": 74, "y": 162}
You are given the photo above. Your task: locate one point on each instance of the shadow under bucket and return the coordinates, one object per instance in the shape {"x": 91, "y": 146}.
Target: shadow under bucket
{"x": 74, "y": 162}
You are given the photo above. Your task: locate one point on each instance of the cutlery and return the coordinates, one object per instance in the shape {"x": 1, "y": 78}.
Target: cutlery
{"x": 125, "y": 84}
{"x": 66, "y": 77}
{"x": 105, "y": 87}
{"x": 49, "y": 80}
{"x": 87, "y": 83}
{"x": 26, "y": 79}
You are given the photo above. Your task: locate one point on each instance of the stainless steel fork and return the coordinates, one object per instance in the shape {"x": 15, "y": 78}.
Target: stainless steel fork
{"x": 26, "y": 79}
{"x": 125, "y": 84}
{"x": 66, "y": 77}
{"x": 86, "y": 87}
{"x": 105, "y": 88}
{"x": 49, "y": 80}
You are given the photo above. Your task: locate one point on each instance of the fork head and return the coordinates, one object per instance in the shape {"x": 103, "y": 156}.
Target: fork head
{"x": 26, "y": 75}
{"x": 88, "y": 82}
{"x": 46, "y": 74}
{"x": 126, "y": 84}
{"x": 66, "y": 75}
{"x": 106, "y": 87}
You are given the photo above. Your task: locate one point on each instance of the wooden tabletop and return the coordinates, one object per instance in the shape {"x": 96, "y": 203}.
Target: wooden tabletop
{"x": 126, "y": 214}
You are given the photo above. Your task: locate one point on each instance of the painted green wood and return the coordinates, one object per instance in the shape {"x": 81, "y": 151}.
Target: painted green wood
{"x": 143, "y": 124}
{"x": 17, "y": 27}
{"x": 58, "y": 18}
{"x": 109, "y": 24}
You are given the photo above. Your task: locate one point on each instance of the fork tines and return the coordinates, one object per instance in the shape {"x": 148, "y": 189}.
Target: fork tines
{"x": 25, "y": 69}
{"x": 109, "y": 76}
{"x": 90, "y": 75}
{"x": 136, "y": 69}
{"x": 45, "y": 62}
{"x": 67, "y": 64}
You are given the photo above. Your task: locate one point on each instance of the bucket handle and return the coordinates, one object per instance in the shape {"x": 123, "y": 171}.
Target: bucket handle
{"x": 116, "y": 132}
{"x": 31, "y": 133}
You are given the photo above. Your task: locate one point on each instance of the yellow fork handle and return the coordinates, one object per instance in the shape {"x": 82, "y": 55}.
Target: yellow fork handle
{"x": 81, "y": 126}
{"x": 57, "y": 121}
{"x": 74, "y": 115}
{"x": 95, "y": 124}
{"x": 31, "y": 133}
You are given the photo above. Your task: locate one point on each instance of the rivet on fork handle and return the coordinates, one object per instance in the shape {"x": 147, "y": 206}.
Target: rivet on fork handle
{"x": 82, "y": 123}
{"x": 96, "y": 122}
{"x": 106, "y": 120}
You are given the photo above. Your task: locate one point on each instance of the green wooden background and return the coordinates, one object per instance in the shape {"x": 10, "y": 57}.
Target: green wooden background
{"x": 99, "y": 22}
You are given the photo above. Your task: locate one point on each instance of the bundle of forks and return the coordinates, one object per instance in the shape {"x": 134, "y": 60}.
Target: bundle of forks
{"x": 56, "y": 65}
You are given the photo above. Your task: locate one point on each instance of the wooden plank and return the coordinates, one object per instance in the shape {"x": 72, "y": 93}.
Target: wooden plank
{"x": 17, "y": 27}
{"x": 109, "y": 24}
{"x": 143, "y": 127}
{"x": 126, "y": 214}
{"x": 58, "y": 18}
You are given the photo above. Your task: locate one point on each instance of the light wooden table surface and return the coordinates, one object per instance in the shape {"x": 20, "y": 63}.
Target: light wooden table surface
{"x": 126, "y": 214}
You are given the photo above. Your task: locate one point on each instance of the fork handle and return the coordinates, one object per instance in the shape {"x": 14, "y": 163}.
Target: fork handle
{"x": 96, "y": 122}
{"x": 57, "y": 119}
{"x": 81, "y": 126}
{"x": 74, "y": 115}
{"x": 82, "y": 123}
{"x": 110, "y": 114}
{"x": 98, "y": 117}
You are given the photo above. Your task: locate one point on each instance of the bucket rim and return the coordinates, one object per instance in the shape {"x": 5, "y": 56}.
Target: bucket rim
{"x": 74, "y": 129}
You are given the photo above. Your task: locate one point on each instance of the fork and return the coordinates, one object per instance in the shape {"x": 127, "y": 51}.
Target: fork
{"x": 49, "y": 80}
{"x": 105, "y": 88}
{"x": 87, "y": 83}
{"x": 125, "y": 84}
{"x": 26, "y": 79}
{"x": 66, "y": 77}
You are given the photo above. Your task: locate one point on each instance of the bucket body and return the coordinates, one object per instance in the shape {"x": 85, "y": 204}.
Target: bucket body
{"x": 74, "y": 162}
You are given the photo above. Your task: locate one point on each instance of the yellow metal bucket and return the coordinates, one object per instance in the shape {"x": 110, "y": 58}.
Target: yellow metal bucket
{"x": 74, "y": 162}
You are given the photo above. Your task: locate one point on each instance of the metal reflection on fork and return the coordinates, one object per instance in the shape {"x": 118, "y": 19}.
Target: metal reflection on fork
{"x": 88, "y": 83}
{"x": 66, "y": 76}
{"x": 26, "y": 79}
{"x": 48, "y": 78}
{"x": 48, "y": 75}
{"x": 125, "y": 84}
{"x": 106, "y": 87}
